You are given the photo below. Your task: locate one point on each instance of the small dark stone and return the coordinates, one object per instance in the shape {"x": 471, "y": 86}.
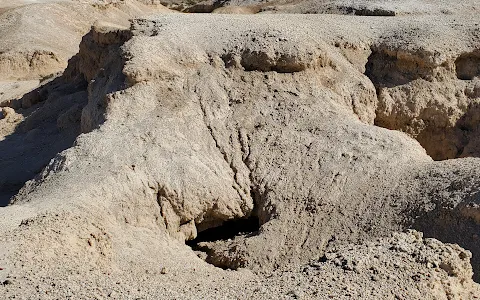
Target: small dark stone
{"x": 7, "y": 282}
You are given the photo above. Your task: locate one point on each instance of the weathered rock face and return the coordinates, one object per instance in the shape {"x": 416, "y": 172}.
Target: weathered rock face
{"x": 429, "y": 96}
{"x": 32, "y": 53}
{"x": 30, "y": 49}
{"x": 368, "y": 8}
{"x": 192, "y": 122}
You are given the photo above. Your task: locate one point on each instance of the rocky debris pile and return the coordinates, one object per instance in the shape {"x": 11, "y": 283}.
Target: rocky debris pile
{"x": 403, "y": 266}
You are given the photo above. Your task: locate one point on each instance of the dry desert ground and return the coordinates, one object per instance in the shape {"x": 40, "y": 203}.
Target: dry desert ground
{"x": 240, "y": 149}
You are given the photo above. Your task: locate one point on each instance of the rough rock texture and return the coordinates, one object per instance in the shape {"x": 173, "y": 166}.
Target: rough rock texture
{"x": 193, "y": 121}
{"x": 46, "y": 120}
{"x": 30, "y": 49}
{"x": 403, "y": 266}
{"x": 431, "y": 96}
{"x": 371, "y": 8}
{"x": 377, "y": 8}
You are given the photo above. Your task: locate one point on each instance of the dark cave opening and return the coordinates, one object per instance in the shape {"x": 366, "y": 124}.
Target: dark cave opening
{"x": 227, "y": 230}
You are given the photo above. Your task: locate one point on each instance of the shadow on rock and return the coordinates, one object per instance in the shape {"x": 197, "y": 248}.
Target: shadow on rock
{"x": 460, "y": 225}
{"x": 50, "y": 121}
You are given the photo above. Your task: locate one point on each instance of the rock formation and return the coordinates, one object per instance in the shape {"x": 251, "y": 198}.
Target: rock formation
{"x": 237, "y": 156}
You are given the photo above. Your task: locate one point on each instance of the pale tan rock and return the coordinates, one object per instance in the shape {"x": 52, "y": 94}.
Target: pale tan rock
{"x": 30, "y": 49}
{"x": 192, "y": 121}
{"x": 243, "y": 10}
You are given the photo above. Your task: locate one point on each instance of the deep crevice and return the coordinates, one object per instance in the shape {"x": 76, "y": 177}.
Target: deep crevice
{"x": 58, "y": 126}
{"x": 61, "y": 109}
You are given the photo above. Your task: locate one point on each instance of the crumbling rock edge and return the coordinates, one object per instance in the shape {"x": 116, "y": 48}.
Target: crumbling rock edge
{"x": 430, "y": 97}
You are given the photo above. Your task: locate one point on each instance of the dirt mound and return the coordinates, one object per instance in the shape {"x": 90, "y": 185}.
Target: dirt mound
{"x": 383, "y": 269}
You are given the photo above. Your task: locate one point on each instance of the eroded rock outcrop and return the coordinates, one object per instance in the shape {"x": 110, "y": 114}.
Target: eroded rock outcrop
{"x": 33, "y": 56}
{"x": 421, "y": 93}
{"x": 32, "y": 48}
{"x": 365, "y": 8}
{"x": 192, "y": 123}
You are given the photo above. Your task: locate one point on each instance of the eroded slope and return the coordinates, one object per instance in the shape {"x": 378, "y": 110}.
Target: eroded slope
{"x": 36, "y": 41}
{"x": 197, "y": 120}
